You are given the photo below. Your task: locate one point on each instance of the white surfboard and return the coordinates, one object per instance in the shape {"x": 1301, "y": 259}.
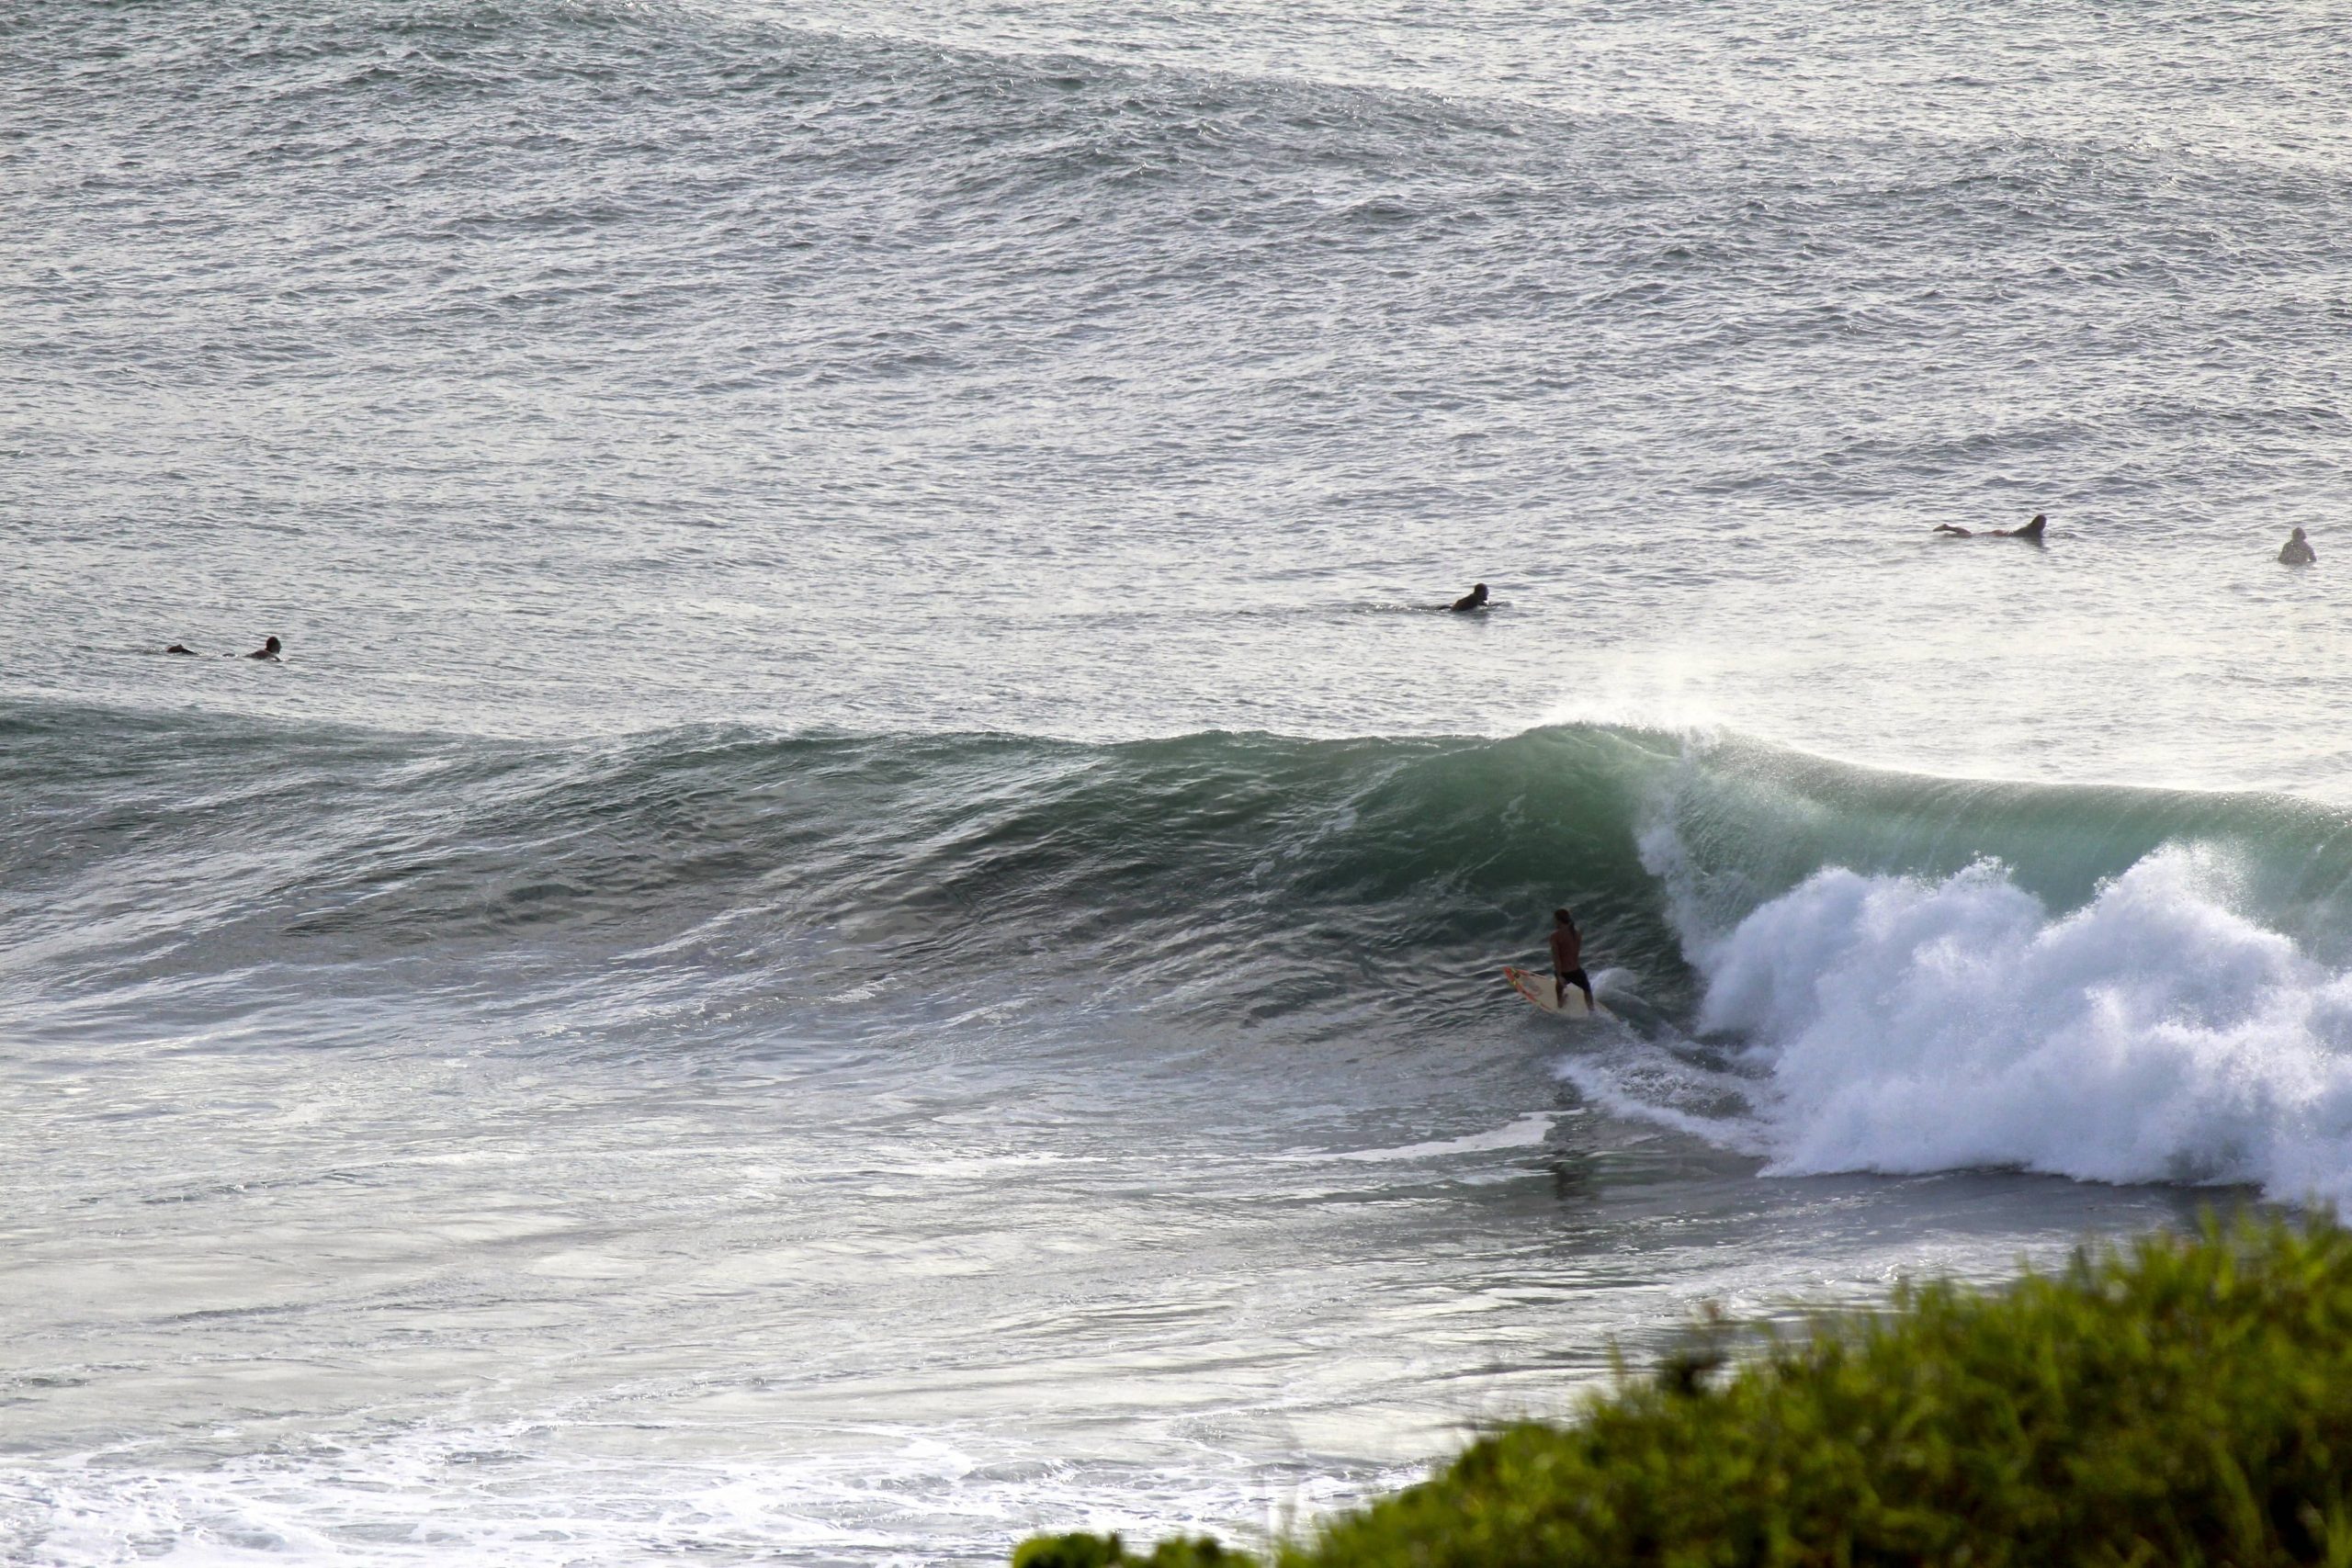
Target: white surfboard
{"x": 1545, "y": 992}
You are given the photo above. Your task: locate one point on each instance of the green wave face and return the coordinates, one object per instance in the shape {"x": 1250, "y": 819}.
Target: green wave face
{"x": 1257, "y": 873}
{"x": 1831, "y": 967}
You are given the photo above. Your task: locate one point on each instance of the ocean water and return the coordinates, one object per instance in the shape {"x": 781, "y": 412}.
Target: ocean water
{"x": 862, "y": 918}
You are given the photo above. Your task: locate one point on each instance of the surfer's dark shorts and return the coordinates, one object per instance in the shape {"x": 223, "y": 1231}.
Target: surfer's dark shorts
{"x": 1575, "y": 977}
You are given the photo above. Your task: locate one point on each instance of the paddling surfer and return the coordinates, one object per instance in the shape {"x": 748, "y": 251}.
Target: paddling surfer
{"x": 2030, "y": 531}
{"x": 1474, "y": 600}
{"x": 1568, "y": 959}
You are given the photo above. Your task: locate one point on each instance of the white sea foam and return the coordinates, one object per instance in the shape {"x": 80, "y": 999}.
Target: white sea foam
{"x": 520, "y": 1494}
{"x": 2154, "y": 1035}
{"x": 1524, "y": 1132}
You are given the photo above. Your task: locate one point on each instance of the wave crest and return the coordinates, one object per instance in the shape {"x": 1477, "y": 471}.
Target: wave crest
{"x": 2155, "y": 1033}
{"x": 1881, "y": 972}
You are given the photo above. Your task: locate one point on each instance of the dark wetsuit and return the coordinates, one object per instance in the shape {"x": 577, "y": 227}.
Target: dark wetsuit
{"x": 1568, "y": 951}
{"x": 2031, "y": 531}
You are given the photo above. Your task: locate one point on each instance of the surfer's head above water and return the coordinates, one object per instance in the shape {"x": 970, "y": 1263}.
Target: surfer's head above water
{"x": 1474, "y": 600}
{"x": 268, "y": 650}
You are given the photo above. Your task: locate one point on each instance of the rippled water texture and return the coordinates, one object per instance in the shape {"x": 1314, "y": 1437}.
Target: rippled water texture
{"x": 863, "y": 917}
{"x": 1111, "y": 373}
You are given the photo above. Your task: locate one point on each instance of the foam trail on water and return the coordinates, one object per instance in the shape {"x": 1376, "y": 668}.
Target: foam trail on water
{"x": 2154, "y": 1034}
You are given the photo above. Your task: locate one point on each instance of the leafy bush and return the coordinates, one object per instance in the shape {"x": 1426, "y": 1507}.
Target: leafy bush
{"x": 1104, "y": 1551}
{"x": 2187, "y": 1400}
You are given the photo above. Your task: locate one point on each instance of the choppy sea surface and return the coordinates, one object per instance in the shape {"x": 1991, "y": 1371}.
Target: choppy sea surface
{"x": 864, "y": 916}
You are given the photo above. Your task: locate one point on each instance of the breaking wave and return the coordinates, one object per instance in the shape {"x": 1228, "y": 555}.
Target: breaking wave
{"x": 2157, "y": 1033}
{"x": 1839, "y": 968}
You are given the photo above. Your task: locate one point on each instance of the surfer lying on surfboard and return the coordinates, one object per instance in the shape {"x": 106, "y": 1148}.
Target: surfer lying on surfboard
{"x": 2031, "y": 531}
{"x": 1568, "y": 959}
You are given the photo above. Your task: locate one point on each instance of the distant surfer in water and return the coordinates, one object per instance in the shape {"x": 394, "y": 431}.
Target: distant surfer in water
{"x": 268, "y": 650}
{"x": 2296, "y": 551}
{"x": 1568, "y": 959}
{"x": 1474, "y": 600}
{"x": 2030, "y": 531}
{"x": 181, "y": 648}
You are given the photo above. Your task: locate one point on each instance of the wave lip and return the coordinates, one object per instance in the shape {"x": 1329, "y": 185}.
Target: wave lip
{"x": 2154, "y": 1034}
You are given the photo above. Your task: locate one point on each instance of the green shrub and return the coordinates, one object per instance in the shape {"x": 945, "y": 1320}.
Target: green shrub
{"x": 2184, "y": 1401}
{"x": 1104, "y": 1551}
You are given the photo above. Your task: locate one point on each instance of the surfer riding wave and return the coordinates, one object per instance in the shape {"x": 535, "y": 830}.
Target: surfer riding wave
{"x": 1567, "y": 957}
